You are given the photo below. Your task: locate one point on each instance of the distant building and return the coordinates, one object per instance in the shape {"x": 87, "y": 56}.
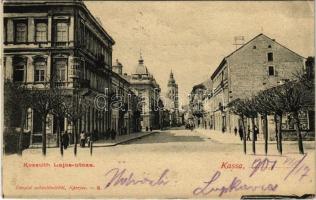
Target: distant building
{"x": 45, "y": 39}
{"x": 148, "y": 89}
{"x": 125, "y": 115}
{"x": 196, "y": 110}
{"x": 172, "y": 103}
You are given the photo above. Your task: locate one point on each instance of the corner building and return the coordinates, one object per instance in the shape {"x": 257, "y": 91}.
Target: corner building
{"x": 259, "y": 64}
{"x": 63, "y": 39}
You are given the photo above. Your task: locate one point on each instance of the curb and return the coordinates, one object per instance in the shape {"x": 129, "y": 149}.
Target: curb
{"x": 125, "y": 141}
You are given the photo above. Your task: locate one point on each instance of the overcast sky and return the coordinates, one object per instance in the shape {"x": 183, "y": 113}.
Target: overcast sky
{"x": 191, "y": 38}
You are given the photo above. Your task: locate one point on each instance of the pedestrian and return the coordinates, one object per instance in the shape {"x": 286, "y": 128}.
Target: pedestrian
{"x": 95, "y": 135}
{"x": 241, "y": 132}
{"x": 223, "y": 130}
{"x": 146, "y": 128}
{"x": 248, "y": 134}
{"x": 235, "y": 130}
{"x": 88, "y": 139}
{"x": 151, "y": 128}
{"x": 113, "y": 134}
{"x": 108, "y": 134}
{"x": 82, "y": 139}
{"x": 65, "y": 139}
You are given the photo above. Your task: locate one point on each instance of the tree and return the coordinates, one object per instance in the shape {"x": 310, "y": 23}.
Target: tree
{"x": 73, "y": 109}
{"x": 262, "y": 106}
{"x": 16, "y": 102}
{"x": 271, "y": 102}
{"x": 238, "y": 108}
{"x": 292, "y": 95}
{"x": 43, "y": 101}
{"x": 246, "y": 108}
{"x": 60, "y": 113}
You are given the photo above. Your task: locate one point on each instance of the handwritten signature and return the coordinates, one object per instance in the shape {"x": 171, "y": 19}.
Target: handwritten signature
{"x": 122, "y": 177}
{"x": 294, "y": 167}
{"x": 235, "y": 185}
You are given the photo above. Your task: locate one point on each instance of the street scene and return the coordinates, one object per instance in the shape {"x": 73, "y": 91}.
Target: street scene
{"x": 158, "y": 99}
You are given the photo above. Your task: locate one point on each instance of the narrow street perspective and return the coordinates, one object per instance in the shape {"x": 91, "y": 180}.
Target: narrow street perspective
{"x": 158, "y": 99}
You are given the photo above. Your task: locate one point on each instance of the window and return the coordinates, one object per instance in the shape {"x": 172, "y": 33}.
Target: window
{"x": 270, "y": 56}
{"x": 39, "y": 72}
{"x": 19, "y": 68}
{"x": 269, "y": 46}
{"x": 271, "y": 71}
{"x": 82, "y": 34}
{"x": 61, "y": 33}
{"x": 20, "y": 32}
{"x": 60, "y": 69}
{"x": 41, "y": 32}
{"x": 254, "y": 47}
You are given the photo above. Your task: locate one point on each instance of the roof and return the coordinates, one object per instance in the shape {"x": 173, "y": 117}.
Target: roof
{"x": 141, "y": 68}
{"x": 223, "y": 62}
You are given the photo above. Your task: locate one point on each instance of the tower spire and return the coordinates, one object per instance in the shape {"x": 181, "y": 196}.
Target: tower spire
{"x": 141, "y": 60}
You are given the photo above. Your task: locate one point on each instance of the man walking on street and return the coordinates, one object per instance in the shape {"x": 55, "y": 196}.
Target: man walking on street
{"x": 241, "y": 132}
{"x": 235, "y": 130}
{"x": 82, "y": 139}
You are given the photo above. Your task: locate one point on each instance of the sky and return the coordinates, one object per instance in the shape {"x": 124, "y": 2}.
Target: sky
{"x": 191, "y": 38}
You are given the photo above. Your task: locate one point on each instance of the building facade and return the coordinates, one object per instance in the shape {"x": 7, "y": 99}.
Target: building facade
{"x": 61, "y": 39}
{"x": 259, "y": 64}
{"x": 148, "y": 90}
{"x": 125, "y": 112}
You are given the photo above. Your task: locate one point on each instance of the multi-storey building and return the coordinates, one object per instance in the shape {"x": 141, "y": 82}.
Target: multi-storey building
{"x": 259, "y": 64}
{"x": 61, "y": 39}
{"x": 125, "y": 113}
{"x": 148, "y": 90}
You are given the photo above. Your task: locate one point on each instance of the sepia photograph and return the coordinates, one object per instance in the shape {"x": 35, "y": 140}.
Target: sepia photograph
{"x": 158, "y": 99}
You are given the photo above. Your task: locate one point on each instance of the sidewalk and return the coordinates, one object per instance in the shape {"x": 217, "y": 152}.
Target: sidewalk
{"x": 123, "y": 139}
{"x": 231, "y": 138}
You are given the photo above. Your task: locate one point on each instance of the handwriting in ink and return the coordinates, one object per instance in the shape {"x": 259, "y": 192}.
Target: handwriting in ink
{"x": 297, "y": 166}
{"x": 262, "y": 165}
{"x": 235, "y": 185}
{"x": 122, "y": 177}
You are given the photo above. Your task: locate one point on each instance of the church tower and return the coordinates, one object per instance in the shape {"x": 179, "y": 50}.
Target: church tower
{"x": 172, "y": 95}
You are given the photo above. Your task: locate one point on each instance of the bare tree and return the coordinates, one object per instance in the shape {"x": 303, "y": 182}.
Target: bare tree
{"x": 238, "y": 107}
{"x": 43, "y": 101}
{"x": 262, "y": 106}
{"x": 16, "y": 103}
{"x": 73, "y": 108}
{"x": 60, "y": 113}
{"x": 292, "y": 95}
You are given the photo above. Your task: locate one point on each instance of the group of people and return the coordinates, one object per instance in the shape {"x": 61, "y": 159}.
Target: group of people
{"x": 242, "y": 132}
{"x": 87, "y": 137}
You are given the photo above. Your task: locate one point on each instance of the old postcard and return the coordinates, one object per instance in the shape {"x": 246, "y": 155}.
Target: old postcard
{"x": 158, "y": 99}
